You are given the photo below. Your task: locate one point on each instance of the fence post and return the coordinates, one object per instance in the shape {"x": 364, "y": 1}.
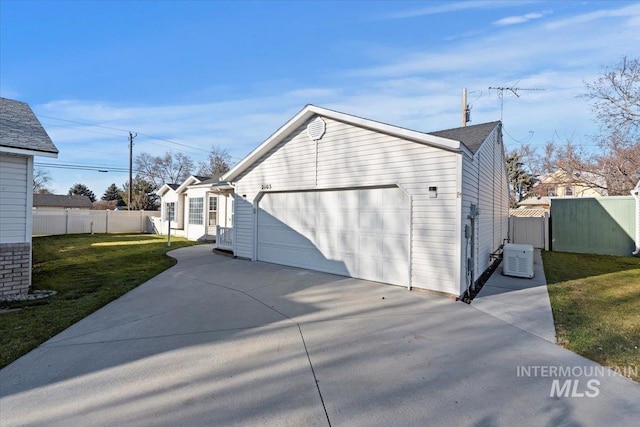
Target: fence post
{"x": 66, "y": 221}
{"x": 106, "y": 221}
{"x": 545, "y": 232}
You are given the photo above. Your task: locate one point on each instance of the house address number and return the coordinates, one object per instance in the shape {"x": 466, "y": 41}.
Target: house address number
{"x": 266, "y": 186}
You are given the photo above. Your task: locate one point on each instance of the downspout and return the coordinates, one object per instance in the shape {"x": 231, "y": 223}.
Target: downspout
{"x": 636, "y": 194}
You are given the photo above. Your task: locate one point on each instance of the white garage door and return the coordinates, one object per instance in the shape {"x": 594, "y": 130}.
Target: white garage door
{"x": 362, "y": 233}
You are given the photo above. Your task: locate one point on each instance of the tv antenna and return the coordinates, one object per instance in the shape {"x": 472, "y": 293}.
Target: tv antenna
{"x": 501, "y": 90}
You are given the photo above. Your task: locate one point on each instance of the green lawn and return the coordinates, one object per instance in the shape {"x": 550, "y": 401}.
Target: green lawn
{"x": 87, "y": 272}
{"x": 596, "y": 306}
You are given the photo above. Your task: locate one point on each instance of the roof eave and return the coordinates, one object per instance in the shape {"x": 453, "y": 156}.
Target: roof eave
{"x": 27, "y": 152}
{"x": 189, "y": 181}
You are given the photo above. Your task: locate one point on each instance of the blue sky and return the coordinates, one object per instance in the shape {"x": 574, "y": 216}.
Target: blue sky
{"x": 230, "y": 73}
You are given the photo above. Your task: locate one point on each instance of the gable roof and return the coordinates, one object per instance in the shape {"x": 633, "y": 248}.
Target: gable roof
{"x": 193, "y": 179}
{"x": 208, "y": 181}
{"x": 21, "y": 132}
{"x": 471, "y": 136}
{"x": 165, "y": 188}
{"x": 445, "y": 141}
{"x": 61, "y": 201}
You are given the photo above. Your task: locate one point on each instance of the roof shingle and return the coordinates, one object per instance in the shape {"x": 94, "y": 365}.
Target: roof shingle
{"x": 21, "y": 129}
{"x": 61, "y": 201}
{"x": 471, "y": 136}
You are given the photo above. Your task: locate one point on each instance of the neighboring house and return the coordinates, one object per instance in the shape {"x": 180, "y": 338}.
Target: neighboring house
{"x": 196, "y": 207}
{"x": 60, "y": 201}
{"x": 561, "y": 184}
{"x": 341, "y": 194}
{"x": 535, "y": 202}
{"x": 21, "y": 138}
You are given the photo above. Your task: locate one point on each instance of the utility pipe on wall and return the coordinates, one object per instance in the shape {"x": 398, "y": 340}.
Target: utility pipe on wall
{"x": 636, "y": 194}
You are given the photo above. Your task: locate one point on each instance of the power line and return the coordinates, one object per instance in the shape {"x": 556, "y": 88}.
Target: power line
{"x": 71, "y": 166}
{"x": 125, "y": 130}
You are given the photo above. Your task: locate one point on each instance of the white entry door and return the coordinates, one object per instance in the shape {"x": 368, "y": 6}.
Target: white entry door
{"x": 362, "y": 233}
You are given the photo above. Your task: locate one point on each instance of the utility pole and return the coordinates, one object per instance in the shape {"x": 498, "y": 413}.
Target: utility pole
{"x": 466, "y": 111}
{"x": 514, "y": 90}
{"x": 131, "y": 137}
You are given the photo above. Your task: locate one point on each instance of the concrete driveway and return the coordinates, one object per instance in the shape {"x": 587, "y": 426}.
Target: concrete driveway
{"x": 220, "y": 341}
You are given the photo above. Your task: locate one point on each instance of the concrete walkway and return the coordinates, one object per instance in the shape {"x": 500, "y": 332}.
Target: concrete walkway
{"x": 221, "y": 341}
{"x": 523, "y": 303}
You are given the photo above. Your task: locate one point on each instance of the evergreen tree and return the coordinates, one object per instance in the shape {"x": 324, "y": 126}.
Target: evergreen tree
{"x": 82, "y": 190}
{"x": 114, "y": 193}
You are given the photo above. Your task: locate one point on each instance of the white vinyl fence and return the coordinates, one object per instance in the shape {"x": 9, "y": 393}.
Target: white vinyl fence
{"x": 530, "y": 230}
{"x": 78, "y": 221}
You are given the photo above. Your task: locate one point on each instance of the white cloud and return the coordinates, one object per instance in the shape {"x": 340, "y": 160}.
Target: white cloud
{"x": 632, "y": 12}
{"x": 453, "y": 7}
{"x": 521, "y": 19}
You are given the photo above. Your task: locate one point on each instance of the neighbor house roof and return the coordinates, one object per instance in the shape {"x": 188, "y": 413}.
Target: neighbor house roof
{"x": 524, "y": 212}
{"x": 21, "y": 131}
{"x": 451, "y": 140}
{"x": 535, "y": 201}
{"x": 61, "y": 201}
{"x": 471, "y": 136}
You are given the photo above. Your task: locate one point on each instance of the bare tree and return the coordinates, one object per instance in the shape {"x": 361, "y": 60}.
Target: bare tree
{"x": 41, "y": 180}
{"x": 614, "y": 168}
{"x": 217, "y": 163}
{"x": 168, "y": 169}
{"x": 615, "y": 97}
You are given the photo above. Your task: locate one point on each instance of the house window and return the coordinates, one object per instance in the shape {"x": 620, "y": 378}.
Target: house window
{"x": 213, "y": 210}
{"x": 196, "y": 209}
{"x": 568, "y": 190}
{"x": 171, "y": 211}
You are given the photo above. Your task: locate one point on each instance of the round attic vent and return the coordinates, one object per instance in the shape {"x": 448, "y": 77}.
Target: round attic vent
{"x": 316, "y": 128}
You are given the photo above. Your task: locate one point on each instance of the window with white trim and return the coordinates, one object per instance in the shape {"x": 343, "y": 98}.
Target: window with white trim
{"x": 196, "y": 210}
{"x": 213, "y": 210}
{"x": 170, "y": 208}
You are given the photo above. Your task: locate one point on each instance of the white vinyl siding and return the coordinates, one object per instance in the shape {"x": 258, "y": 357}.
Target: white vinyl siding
{"x": 351, "y": 157}
{"x": 15, "y": 205}
{"x": 485, "y": 185}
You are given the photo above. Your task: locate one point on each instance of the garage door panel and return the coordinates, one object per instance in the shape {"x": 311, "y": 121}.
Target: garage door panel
{"x": 361, "y": 233}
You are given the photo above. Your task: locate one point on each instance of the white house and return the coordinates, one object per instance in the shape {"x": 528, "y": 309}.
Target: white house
{"x": 341, "y": 194}
{"x": 21, "y": 138}
{"x": 196, "y": 207}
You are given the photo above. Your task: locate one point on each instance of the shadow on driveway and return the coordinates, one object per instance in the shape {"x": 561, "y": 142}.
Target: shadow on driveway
{"x": 221, "y": 341}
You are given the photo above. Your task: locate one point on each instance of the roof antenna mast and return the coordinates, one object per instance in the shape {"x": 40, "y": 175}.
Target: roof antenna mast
{"x": 512, "y": 89}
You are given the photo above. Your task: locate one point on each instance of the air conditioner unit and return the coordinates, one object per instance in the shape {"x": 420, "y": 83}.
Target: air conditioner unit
{"x": 517, "y": 260}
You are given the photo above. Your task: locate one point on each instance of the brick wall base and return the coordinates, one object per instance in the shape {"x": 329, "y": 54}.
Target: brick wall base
{"x": 15, "y": 271}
